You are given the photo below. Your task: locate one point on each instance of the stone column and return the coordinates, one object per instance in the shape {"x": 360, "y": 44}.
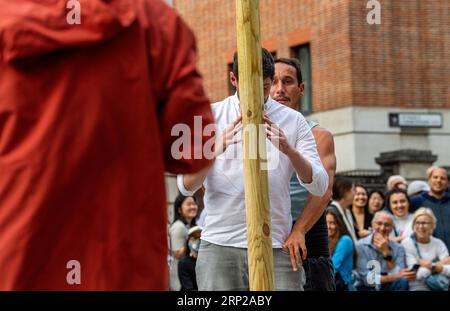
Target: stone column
{"x": 410, "y": 163}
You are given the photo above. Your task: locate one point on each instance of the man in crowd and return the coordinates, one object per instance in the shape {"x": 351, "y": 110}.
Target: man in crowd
{"x": 222, "y": 262}
{"x": 438, "y": 199}
{"x": 309, "y": 232}
{"x": 381, "y": 261}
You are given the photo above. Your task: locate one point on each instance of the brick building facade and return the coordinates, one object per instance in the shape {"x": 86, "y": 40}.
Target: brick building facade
{"x": 359, "y": 73}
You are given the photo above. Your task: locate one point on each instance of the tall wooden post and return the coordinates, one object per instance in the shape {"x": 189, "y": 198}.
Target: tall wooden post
{"x": 260, "y": 256}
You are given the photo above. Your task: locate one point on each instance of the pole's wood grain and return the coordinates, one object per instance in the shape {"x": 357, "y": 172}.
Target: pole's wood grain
{"x": 260, "y": 256}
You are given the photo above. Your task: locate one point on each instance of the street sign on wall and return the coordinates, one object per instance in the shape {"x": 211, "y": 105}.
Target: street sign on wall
{"x": 415, "y": 119}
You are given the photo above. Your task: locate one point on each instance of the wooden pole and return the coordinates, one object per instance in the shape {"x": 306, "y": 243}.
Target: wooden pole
{"x": 260, "y": 256}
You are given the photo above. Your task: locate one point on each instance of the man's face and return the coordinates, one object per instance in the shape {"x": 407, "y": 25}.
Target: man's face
{"x": 438, "y": 181}
{"x": 267, "y": 83}
{"x": 382, "y": 225}
{"x": 285, "y": 88}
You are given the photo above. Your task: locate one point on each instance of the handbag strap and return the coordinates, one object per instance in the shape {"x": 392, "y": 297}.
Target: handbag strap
{"x": 413, "y": 237}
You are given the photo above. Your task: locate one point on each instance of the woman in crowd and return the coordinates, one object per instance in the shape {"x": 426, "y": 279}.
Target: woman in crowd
{"x": 398, "y": 204}
{"x": 342, "y": 250}
{"x": 429, "y": 254}
{"x": 360, "y": 212}
{"x": 185, "y": 211}
{"x": 343, "y": 193}
{"x": 376, "y": 201}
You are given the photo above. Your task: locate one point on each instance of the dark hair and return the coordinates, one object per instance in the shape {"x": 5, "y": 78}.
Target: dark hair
{"x": 268, "y": 67}
{"x": 177, "y": 209}
{"x": 364, "y": 187}
{"x": 395, "y": 191}
{"x": 294, "y": 63}
{"x": 366, "y": 207}
{"x": 341, "y": 186}
{"x": 341, "y": 230}
{"x": 381, "y": 193}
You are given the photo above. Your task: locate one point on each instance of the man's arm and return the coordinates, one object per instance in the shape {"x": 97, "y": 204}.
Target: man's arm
{"x": 188, "y": 184}
{"x": 314, "y": 206}
{"x": 303, "y": 156}
{"x": 397, "y": 267}
{"x": 404, "y": 273}
{"x": 301, "y": 165}
{"x": 381, "y": 243}
{"x": 176, "y": 80}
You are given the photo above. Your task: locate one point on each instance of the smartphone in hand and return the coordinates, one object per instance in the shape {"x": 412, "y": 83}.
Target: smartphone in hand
{"x": 415, "y": 267}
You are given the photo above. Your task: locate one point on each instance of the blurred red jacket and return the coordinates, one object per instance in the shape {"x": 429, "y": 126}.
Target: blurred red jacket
{"x": 86, "y": 113}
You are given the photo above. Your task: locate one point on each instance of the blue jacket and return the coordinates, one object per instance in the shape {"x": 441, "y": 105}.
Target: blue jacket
{"x": 343, "y": 259}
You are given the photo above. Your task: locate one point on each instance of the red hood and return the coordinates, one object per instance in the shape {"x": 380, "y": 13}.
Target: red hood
{"x": 32, "y": 28}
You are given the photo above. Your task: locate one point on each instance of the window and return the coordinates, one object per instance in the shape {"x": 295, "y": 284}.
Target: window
{"x": 302, "y": 53}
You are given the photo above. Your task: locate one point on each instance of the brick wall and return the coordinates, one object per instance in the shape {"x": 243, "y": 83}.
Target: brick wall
{"x": 402, "y": 62}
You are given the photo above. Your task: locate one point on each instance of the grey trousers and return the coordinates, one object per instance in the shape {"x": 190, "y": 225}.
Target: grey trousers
{"x": 224, "y": 268}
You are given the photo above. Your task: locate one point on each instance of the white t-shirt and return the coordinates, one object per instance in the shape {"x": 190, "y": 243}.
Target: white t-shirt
{"x": 224, "y": 200}
{"x": 434, "y": 249}
{"x": 402, "y": 225}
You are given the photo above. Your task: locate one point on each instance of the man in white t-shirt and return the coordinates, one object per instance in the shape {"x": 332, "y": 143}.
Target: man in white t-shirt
{"x": 222, "y": 262}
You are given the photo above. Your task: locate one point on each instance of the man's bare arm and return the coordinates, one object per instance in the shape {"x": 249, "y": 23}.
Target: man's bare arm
{"x": 314, "y": 206}
{"x": 193, "y": 182}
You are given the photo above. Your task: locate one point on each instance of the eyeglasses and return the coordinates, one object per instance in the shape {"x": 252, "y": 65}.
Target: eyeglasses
{"x": 386, "y": 224}
{"x": 422, "y": 223}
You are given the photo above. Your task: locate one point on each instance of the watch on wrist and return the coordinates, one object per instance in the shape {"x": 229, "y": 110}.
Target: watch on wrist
{"x": 433, "y": 267}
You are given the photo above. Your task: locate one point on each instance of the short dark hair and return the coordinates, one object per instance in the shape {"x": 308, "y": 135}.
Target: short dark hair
{"x": 341, "y": 186}
{"x": 268, "y": 66}
{"x": 395, "y": 191}
{"x": 294, "y": 63}
{"x": 364, "y": 187}
{"x": 381, "y": 193}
